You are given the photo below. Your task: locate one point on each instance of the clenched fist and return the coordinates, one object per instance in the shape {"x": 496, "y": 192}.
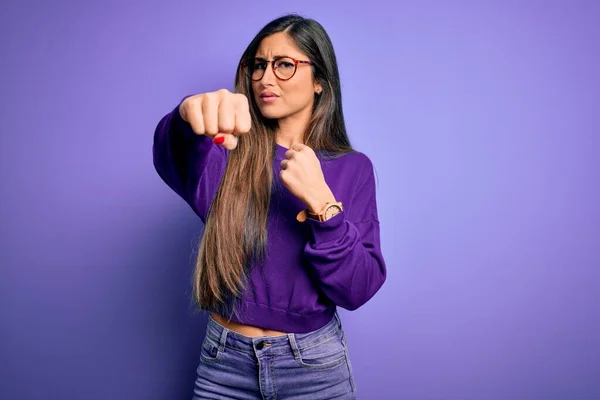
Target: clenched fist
{"x": 302, "y": 175}
{"x": 221, "y": 115}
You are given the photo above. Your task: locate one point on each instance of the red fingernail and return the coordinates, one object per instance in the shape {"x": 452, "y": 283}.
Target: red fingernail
{"x": 219, "y": 140}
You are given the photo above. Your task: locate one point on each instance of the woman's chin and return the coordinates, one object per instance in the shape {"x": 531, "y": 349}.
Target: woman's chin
{"x": 270, "y": 113}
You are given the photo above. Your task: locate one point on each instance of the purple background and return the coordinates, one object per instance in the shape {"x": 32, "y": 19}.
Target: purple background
{"x": 482, "y": 119}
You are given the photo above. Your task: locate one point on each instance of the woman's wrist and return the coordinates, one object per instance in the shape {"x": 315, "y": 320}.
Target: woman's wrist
{"x": 316, "y": 202}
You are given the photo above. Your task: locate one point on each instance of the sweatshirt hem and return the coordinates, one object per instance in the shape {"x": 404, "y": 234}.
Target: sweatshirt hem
{"x": 265, "y": 317}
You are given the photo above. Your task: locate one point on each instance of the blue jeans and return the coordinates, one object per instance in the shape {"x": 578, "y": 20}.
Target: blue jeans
{"x": 312, "y": 365}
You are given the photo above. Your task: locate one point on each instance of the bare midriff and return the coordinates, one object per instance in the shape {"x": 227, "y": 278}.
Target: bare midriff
{"x": 246, "y": 330}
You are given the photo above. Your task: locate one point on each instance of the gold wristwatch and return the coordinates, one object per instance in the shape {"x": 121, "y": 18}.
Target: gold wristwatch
{"x": 328, "y": 211}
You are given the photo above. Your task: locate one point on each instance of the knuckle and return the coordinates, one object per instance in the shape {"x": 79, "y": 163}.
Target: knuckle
{"x": 241, "y": 99}
{"x": 210, "y": 99}
{"x": 225, "y": 125}
{"x": 197, "y": 128}
{"x": 190, "y": 105}
{"x": 240, "y": 129}
{"x": 210, "y": 126}
{"x": 222, "y": 93}
{"x": 243, "y": 125}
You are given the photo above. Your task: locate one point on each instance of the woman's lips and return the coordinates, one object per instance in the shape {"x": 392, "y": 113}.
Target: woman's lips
{"x": 268, "y": 97}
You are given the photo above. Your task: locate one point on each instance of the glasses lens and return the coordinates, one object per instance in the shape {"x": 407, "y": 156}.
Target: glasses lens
{"x": 285, "y": 68}
{"x": 256, "y": 69}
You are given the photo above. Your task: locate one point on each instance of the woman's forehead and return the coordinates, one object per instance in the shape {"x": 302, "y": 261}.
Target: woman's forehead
{"x": 277, "y": 45}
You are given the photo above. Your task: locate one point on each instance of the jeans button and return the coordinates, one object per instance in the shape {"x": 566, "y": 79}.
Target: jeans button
{"x": 261, "y": 345}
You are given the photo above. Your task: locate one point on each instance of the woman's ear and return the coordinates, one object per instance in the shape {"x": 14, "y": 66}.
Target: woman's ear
{"x": 318, "y": 88}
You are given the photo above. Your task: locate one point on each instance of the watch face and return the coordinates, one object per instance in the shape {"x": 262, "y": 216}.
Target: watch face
{"x": 332, "y": 210}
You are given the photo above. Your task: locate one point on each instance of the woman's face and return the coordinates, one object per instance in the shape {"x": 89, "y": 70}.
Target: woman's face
{"x": 277, "y": 98}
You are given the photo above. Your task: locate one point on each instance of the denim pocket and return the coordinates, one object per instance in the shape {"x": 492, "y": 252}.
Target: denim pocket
{"x": 328, "y": 353}
{"x": 210, "y": 350}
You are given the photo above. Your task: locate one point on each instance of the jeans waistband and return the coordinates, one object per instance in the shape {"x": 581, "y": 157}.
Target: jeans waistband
{"x": 294, "y": 342}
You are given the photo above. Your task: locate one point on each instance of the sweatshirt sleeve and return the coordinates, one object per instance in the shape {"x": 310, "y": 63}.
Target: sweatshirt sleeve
{"x": 344, "y": 252}
{"x": 190, "y": 164}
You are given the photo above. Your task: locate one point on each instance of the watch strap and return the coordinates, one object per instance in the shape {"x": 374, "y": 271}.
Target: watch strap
{"x": 321, "y": 216}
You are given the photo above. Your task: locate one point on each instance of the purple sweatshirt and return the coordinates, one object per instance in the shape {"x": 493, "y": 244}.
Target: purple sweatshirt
{"x": 310, "y": 267}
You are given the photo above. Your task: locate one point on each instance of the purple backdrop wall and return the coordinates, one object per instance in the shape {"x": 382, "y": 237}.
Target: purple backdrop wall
{"x": 481, "y": 119}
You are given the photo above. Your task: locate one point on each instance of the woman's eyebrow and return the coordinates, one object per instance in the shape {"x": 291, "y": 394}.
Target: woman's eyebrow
{"x": 274, "y": 57}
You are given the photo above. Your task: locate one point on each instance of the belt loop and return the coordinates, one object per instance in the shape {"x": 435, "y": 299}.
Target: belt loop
{"x": 343, "y": 334}
{"x": 294, "y": 346}
{"x": 223, "y": 339}
{"x": 339, "y": 320}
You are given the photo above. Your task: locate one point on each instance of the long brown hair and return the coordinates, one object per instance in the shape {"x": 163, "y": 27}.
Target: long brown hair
{"x": 235, "y": 234}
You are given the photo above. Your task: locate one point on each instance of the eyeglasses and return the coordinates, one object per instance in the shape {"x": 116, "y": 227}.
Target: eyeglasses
{"x": 284, "y": 68}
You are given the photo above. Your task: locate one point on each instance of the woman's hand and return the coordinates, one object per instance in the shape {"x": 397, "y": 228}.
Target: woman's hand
{"x": 221, "y": 115}
{"x": 302, "y": 175}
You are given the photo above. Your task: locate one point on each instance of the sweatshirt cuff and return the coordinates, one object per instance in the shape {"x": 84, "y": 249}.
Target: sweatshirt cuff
{"x": 330, "y": 230}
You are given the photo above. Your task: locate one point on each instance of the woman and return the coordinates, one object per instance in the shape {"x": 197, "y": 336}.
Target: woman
{"x": 291, "y": 226}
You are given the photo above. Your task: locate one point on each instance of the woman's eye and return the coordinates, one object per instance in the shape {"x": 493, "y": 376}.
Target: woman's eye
{"x": 259, "y": 65}
{"x": 285, "y": 64}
